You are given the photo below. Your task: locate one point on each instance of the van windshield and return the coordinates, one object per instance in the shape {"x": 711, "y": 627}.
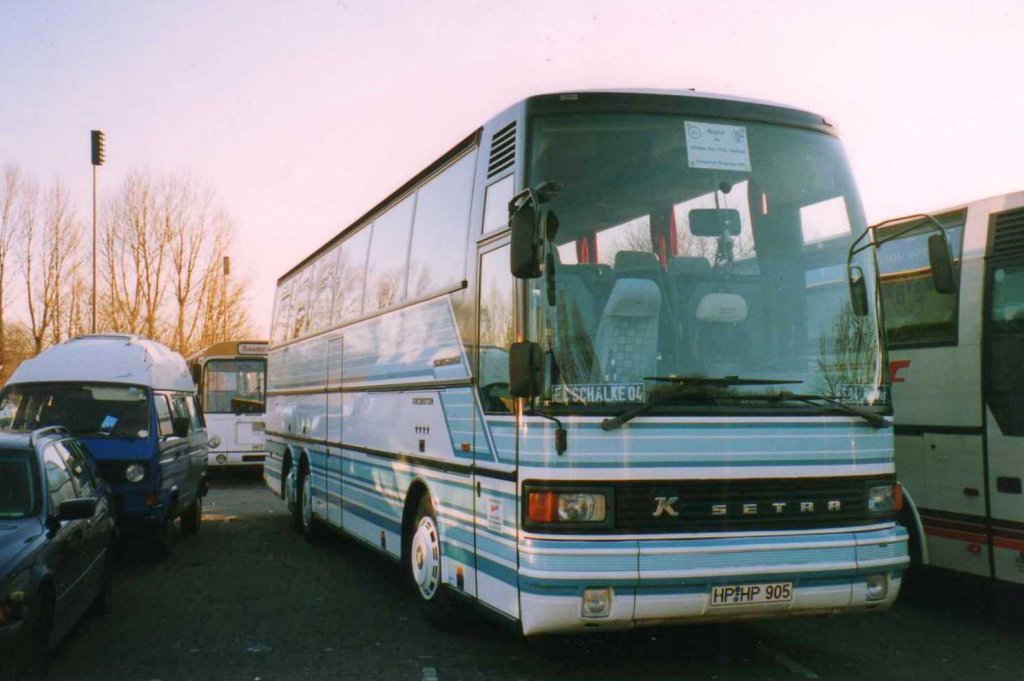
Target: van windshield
{"x": 86, "y": 409}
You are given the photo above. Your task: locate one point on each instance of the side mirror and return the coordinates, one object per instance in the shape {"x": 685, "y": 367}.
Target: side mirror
{"x": 181, "y": 424}
{"x": 525, "y": 370}
{"x": 715, "y": 222}
{"x": 858, "y": 291}
{"x": 941, "y": 263}
{"x": 76, "y": 509}
{"x": 525, "y": 245}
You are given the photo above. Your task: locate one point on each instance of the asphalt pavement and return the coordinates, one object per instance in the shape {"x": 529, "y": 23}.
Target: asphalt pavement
{"x": 249, "y": 598}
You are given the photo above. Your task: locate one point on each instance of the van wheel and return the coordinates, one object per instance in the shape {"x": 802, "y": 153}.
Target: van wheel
{"x": 162, "y": 539}
{"x": 310, "y": 524}
{"x": 192, "y": 518}
{"x": 424, "y": 566}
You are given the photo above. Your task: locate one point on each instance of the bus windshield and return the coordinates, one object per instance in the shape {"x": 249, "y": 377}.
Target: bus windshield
{"x": 234, "y": 386}
{"x": 689, "y": 247}
{"x": 86, "y": 409}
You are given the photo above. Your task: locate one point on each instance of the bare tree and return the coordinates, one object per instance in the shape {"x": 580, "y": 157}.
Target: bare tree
{"x": 10, "y": 204}
{"x": 48, "y": 249}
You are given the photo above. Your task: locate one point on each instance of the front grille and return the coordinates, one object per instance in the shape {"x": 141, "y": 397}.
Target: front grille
{"x": 112, "y": 471}
{"x": 743, "y": 505}
{"x": 253, "y": 458}
{"x": 1007, "y": 236}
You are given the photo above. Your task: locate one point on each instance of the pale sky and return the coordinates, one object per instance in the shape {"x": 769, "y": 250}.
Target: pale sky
{"x": 302, "y": 115}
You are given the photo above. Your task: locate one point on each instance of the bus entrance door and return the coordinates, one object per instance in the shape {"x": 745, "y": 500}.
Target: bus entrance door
{"x": 333, "y": 412}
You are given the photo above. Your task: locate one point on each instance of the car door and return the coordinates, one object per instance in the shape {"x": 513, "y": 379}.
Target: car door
{"x": 96, "y": 529}
{"x": 67, "y": 540}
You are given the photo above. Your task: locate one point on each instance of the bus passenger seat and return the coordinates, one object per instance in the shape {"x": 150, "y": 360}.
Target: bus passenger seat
{"x": 627, "y": 335}
{"x": 720, "y": 336}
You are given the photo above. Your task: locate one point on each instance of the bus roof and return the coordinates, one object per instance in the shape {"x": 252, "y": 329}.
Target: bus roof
{"x": 233, "y": 348}
{"x": 107, "y": 358}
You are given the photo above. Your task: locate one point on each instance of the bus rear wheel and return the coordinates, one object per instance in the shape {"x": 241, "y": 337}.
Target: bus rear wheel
{"x": 309, "y": 524}
{"x": 424, "y": 566}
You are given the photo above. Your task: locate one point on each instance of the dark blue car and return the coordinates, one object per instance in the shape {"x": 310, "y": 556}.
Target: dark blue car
{"x": 57, "y": 533}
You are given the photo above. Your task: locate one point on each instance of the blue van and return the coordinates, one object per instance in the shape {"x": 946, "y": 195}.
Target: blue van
{"x": 133, "y": 403}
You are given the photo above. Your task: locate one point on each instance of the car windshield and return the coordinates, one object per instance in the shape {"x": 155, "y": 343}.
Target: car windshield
{"x": 87, "y": 410}
{"x": 18, "y": 497}
{"x": 685, "y": 247}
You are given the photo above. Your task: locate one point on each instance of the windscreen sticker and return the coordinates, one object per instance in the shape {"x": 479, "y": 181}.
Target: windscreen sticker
{"x": 599, "y": 393}
{"x": 717, "y": 147}
{"x": 108, "y": 423}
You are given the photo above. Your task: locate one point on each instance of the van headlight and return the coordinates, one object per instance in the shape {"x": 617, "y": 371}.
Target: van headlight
{"x": 568, "y": 507}
{"x": 135, "y": 472}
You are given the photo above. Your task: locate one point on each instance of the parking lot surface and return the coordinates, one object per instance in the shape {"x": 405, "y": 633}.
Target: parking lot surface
{"x": 249, "y": 598}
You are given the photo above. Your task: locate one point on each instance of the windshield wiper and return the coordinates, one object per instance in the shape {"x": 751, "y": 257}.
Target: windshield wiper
{"x": 613, "y": 422}
{"x": 877, "y": 420}
{"x": 724, "y": 380}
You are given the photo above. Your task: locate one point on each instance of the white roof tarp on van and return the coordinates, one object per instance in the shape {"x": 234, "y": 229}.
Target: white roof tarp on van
{"x": 108, "y": 358}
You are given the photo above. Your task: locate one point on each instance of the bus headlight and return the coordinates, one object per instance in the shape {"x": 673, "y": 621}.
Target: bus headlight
{"x": 135, "y": 473}
{"x": 567, "y": 507}
{"x": 885, "y": 498}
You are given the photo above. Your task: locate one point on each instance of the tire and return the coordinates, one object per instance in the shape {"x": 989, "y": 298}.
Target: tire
{"x": 162, "y": 539}
{"x": 192, "y": 518}
{"x": 309, "y": 523}
{"x": 292, "y": 500}
{"x": 36, "y": 655}
{"x": 423, "y": 567}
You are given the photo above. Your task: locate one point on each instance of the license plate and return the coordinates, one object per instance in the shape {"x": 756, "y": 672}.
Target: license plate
{"x": 743, "y": 594}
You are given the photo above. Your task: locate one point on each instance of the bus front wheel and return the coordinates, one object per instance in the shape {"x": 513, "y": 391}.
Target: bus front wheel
{"x": 424, "y": 565}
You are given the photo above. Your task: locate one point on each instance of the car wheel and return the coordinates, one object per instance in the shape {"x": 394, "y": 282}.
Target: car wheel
{"x": 309, "y": 523}
{"x": 424, "y": 566}
{"x": 192, "y": 518}
{"x": 36, "y": 655}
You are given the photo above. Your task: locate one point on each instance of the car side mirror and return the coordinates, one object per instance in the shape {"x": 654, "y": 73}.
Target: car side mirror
{"x": 76, "y": 509}
{"x": 525, "y": 370}
{"x": 181, "y": 424}
{"x": 941, "y": 263}
{"x": 525, "y": 256}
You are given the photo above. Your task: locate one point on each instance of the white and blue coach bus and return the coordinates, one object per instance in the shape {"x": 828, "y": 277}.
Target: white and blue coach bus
{"x": 613, "y": 360}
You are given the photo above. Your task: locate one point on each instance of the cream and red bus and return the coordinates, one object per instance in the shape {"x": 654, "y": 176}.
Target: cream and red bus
{"x": 957, "y": 372}
{"x": 232, "y": 380}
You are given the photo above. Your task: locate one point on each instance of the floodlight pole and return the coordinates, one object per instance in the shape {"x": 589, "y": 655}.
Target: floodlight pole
{"x": 98, "y": 157}
{"x": 94, "y": 249}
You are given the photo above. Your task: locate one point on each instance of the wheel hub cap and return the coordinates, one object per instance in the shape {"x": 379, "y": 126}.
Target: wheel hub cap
{"x": 426, "y": 563}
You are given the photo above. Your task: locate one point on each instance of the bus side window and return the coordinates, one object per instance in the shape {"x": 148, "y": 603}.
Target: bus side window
{"x": 495, "y": 330}
{"x": 442, "y": 217}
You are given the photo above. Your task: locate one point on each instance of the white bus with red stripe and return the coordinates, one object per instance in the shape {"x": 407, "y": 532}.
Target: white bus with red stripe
{"x": 957, "y": 374}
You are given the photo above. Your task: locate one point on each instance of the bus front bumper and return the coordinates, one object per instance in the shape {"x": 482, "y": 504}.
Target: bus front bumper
{"x": 579, "y": 585}
{"x": 237, "y": 458}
